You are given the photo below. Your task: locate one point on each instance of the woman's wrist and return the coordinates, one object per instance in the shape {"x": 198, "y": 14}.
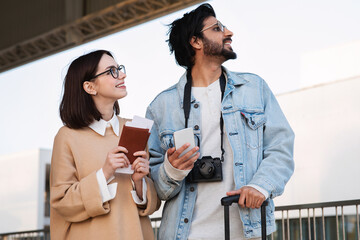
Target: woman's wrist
{"x": 136, "y": 182}
{"x": 106, "y": 174}
{"x": 137, "y": 187}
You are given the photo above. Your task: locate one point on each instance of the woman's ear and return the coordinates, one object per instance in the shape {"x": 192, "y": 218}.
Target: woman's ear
{"x": 196, "y": 43}
{"x": 89, "y": 88}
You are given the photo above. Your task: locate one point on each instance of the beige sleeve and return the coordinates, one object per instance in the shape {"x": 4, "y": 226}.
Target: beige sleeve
{"x": 153, "y": 202}
{"x": 75, "y": 200}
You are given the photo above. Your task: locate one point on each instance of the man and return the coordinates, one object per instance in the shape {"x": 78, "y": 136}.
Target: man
{"x": 236, "y": 121}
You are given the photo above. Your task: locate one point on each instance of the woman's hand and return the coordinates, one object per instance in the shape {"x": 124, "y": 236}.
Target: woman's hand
{"x": 141, "y": 169}
{"x": 140, "y": 166}
{"x": 116, "y": 158}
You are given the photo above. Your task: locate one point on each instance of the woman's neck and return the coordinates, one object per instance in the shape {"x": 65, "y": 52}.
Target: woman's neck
{"x": 108, "y": 115}
{"x": 106, "y": 109}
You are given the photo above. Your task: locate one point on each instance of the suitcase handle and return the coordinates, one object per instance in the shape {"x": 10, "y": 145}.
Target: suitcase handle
{"x": 227, "y": 201}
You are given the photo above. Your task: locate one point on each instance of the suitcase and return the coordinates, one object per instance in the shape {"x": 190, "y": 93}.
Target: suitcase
{"x": 227, "y": 201}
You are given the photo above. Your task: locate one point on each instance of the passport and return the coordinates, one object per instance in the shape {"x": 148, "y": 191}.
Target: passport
{"x": 133, "y": 139}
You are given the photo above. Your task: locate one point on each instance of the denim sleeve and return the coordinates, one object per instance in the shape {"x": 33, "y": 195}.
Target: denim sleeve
{"x": 166, "y": 187}
{"x": 277, "y": 164}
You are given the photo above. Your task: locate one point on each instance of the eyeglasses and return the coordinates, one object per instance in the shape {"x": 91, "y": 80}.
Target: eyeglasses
{"x": 220, "y": 25}
{"x": 114, "y": 71}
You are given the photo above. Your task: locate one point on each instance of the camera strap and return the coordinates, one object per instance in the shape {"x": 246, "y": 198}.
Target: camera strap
{"x": 187, "y": 103}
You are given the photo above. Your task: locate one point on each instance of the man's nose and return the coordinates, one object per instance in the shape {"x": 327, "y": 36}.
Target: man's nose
{"x": 227, "y": 32}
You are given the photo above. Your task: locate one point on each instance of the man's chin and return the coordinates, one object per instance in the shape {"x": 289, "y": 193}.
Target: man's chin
{"x": 229, "y": 55}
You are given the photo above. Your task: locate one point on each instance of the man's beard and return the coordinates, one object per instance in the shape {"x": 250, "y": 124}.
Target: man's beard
{"x": 217, "y": 50}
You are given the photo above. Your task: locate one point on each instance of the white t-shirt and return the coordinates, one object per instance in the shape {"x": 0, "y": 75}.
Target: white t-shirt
{"x": 208, "y": 218}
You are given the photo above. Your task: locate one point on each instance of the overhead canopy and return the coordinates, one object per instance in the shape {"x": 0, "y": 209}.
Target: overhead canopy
{"x": 34, "y": 29}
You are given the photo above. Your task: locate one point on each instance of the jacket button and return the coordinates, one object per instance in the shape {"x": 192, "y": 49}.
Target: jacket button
{"x": 196, "y": 127}
{"x": 196, "y": 105}
{"x": 186, "y": 220}
{"x": 192, "y": 189}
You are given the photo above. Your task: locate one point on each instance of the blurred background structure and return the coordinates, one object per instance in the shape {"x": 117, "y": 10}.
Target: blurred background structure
{"x": 307, "y": 51}
{"x": 47, "y": 27}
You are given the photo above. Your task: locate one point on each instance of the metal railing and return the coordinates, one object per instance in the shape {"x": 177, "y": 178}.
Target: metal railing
{"x": 155, "y": 222}
{"x": 320, "y": 221}
{"x": 317, "y": 221}
{"x": 43, "y": 234}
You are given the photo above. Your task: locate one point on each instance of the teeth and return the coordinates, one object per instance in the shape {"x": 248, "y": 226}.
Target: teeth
{"x": 120, "y": 85}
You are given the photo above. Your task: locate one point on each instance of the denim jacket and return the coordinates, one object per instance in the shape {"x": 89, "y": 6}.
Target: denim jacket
{"x": 260, "y": 137}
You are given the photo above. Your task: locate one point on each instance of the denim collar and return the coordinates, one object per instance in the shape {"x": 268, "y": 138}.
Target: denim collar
{"x": 232, "y": 79}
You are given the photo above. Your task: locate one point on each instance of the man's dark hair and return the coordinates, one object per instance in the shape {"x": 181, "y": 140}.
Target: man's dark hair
{"x": 77, "y": 108}
{"x": 183, "y": 29}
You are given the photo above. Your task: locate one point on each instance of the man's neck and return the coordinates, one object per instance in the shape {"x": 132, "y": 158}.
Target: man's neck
{"x": 205, "y": 74}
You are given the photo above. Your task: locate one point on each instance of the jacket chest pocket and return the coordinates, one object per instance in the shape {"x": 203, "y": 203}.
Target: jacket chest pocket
{"x": 167, "y": 139}
{"x": 254, "y": 128}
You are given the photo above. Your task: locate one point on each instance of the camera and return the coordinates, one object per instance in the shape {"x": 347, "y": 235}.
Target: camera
{"x": 206, "y": 169}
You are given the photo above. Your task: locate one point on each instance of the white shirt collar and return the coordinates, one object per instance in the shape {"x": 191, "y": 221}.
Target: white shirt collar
{"x": 100, "y": 126}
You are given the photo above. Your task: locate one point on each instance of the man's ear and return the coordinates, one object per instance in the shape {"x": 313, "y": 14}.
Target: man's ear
{"x": 89, "y": 88}
{"x": 196, "y": 43}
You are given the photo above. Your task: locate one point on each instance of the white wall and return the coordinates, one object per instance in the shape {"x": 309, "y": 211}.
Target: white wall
{"x": 326, "y": 121}
{"x": 330, "y": 64}
{"x": 22, "y": 190}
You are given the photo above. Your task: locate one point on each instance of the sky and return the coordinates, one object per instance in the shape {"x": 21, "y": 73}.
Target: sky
{"x": 269, "y": 38}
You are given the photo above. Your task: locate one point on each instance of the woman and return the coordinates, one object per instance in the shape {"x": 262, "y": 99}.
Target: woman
{"x": 88, "y": 200}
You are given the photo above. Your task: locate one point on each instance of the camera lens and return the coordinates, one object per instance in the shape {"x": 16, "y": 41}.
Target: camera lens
{"x": 207, "y": 169}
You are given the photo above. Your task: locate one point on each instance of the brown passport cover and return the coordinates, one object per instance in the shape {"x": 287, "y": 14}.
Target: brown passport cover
{"x": 133, "y": 139}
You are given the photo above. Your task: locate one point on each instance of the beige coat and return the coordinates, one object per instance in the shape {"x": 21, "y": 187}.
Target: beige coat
{"x": 77, "y": 211}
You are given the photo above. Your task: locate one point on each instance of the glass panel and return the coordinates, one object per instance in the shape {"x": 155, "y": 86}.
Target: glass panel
{"x": 47, "y": 191}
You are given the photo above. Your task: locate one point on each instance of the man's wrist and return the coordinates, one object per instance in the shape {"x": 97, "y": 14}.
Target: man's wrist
{"x": 174, "y": 173}
{"x": 260, "y": 189}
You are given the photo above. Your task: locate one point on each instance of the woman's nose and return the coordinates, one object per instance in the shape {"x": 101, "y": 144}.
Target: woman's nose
{"x": 121, "y": 75}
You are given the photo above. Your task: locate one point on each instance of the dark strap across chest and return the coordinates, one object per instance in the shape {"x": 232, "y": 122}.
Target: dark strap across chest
{"x": 187, "y": 104}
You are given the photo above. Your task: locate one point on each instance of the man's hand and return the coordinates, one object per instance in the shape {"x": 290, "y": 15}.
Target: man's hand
{"x": 185, "y": 162}
{"x": 249, "y": 197}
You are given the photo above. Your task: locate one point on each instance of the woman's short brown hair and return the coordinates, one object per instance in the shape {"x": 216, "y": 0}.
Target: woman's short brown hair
{"x": 77, "y": 108}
